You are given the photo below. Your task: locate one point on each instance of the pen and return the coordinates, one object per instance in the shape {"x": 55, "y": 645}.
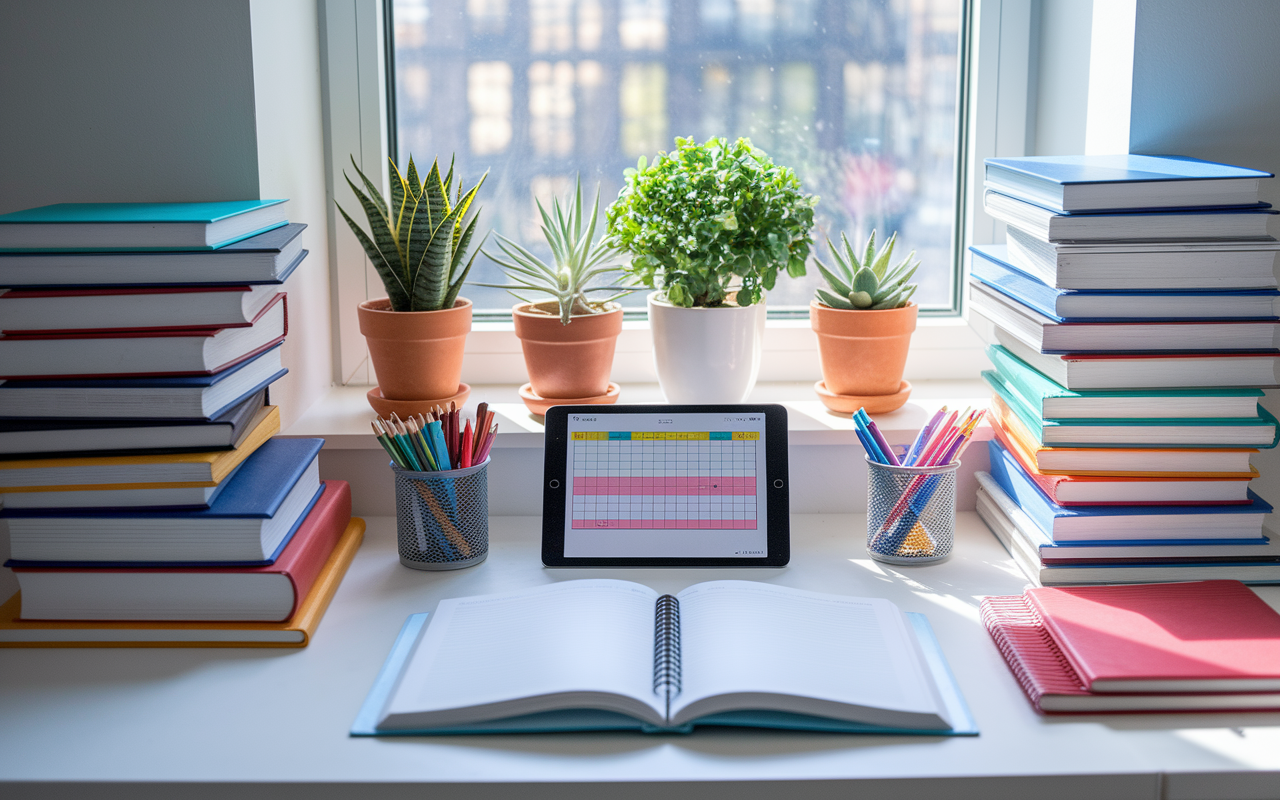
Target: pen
{"x": 923, "y": 436}
{"x": 879, "y": 438}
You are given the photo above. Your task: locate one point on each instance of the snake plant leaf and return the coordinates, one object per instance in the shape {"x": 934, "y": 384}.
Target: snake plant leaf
{"x": 396, "y": 290}
{"x": 837, "y": 286}
{"x": 374, "y": 195}
{"x": 463, "y": 206}
{"x": 833, "y": 300}
{"x": 460, "y": 248}
{"x": 399, "y": 194}
{"x": 380, "y": 229}
{"x": 414, "y": 182}
{"x": 452, "y": 296}
{"x": 431, "y": 282}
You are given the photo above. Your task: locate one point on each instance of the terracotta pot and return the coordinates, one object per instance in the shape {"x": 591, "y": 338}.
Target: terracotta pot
{"x": 863, "y": 353}
{"x": 568, "y": 361}
{"x": 417, "y": 355}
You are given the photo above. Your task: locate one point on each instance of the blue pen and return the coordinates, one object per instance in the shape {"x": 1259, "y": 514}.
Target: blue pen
{"x": 874, "y": 431}
{"x": 868, "y": 441}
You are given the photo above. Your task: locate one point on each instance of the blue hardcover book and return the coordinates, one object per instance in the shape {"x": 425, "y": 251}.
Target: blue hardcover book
{"x": 991, "y": 266}
{"x": 138, "y": 226}
{"x": 190, "y": 397}
{"x": 247, "y": 524}
{"x": 268, "y": 258}
{"x": 1123, "y": 182}
{"x": 1218, "y": 224}
{"x": 1122, "y": 523}
{"x": 907, "y": 640}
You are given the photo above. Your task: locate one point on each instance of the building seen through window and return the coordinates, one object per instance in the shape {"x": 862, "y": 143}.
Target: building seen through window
{"x": 859, "y": 97}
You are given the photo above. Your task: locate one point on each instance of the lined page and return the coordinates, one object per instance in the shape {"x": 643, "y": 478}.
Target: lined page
{"x": 573, "y": 637}
{"x": 755, "y": 638}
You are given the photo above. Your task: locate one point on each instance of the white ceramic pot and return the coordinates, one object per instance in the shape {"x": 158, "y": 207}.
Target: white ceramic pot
{"x": 706, "y": 355}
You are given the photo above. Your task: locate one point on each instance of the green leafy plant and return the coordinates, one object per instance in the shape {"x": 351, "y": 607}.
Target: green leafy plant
{"x": 870, "y": 283}
{"x": 579, "y": 258}
{"x": 419, "y": 243}
{"x": 699, "y": 216}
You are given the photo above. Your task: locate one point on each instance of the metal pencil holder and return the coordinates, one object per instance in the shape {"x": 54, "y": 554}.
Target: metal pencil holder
{"x": 443, "y": 517}
{"x": 911, "y": 512}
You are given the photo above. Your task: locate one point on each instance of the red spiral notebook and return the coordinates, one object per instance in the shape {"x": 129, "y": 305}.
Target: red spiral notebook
{"x": 1203, "y": 646}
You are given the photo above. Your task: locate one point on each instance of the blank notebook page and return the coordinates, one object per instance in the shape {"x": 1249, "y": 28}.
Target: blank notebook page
{"x": 585, "y": 636}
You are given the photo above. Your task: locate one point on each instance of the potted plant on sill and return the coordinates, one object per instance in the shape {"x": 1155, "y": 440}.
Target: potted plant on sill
{"x": 864, "y": 319}
{"x": 710, "y": 226}
{"x": 568, "y": 340}
{"x": 418, "y": 244}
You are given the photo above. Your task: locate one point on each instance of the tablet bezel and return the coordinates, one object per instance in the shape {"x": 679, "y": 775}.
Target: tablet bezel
{"x": 777, "y": 488}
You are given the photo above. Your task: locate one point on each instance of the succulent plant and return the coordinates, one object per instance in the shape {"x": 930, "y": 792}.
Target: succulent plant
{"x": 869, "y": 284}
{"x": 579, "y": 258}
{"x": 419, "y": 243}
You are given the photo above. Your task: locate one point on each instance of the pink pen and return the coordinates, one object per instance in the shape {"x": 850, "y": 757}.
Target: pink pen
{"x": 923, "y": 436}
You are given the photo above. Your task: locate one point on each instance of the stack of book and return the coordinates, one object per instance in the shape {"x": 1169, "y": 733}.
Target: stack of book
{"x": 1201, "y": 646}
{"x": 1135, "y": 314}
{"x": 146, "y": 500}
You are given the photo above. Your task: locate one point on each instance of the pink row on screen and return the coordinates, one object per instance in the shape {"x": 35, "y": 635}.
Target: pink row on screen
{"x": 667, "y": 524}
{"x": 727, "y": 484}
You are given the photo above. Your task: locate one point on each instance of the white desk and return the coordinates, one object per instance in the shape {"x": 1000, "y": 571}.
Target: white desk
{"x": 273, "y": 723}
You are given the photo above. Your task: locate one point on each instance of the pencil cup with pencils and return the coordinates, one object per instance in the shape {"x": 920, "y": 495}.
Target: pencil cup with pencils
{"x": 911, "y": 512}
{"x": 442, "y": 485}
{"x": 911, "y": 499}
{"x": 442, "y": 517}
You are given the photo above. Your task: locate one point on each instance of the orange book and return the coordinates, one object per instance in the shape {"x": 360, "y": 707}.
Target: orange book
{"x": 1136, "y": 462}
{"x": 294, "y": 632}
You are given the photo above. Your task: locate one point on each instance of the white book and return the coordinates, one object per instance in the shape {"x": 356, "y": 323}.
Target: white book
{"x": 714, "y": 650}
{"x": 1146, "y": 266}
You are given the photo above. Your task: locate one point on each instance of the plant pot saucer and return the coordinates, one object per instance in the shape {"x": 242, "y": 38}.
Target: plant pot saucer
{"x": 539, "y": 405}
{"x": 411, "y": 408}
{"x": 874, "y": 404}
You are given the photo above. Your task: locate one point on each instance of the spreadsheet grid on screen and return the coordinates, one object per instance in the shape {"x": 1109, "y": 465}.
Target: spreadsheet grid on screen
{"x": 688, "y": 480}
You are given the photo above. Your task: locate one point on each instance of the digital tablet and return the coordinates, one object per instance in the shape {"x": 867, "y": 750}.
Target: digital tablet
{"x": 666, "y": 486}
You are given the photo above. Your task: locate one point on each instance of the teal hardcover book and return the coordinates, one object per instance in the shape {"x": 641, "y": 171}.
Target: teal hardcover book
{"x": 1049, "y": 399}
{"x": 138, "y": 226}
{"x": 1260, "y": 431}
{"x": 594, "y": 655}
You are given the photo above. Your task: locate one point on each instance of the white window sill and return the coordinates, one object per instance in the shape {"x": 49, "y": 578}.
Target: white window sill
{"x": 343, "y": 416}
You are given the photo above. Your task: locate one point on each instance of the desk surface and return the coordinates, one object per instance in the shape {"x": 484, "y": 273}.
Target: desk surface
{"x": 274, "y": 722}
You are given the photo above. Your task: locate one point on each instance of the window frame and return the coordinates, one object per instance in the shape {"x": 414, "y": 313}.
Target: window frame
{"x": 993, "y": 107}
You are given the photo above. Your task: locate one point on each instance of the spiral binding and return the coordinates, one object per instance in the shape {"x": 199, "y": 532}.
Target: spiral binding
{"x": 666, "y": 648}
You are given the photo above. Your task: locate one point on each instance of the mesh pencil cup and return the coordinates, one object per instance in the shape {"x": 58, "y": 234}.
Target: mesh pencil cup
{"x": 442, "y": 518}
{"x": 911, "y": 512}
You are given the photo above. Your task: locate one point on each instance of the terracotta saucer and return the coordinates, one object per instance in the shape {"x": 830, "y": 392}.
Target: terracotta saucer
{"x": 874, "y": 404}
{"x": 407, "y": 408}
{"x": 539, "y": 405}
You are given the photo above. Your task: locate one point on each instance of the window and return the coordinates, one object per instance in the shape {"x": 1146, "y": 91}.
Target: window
{"x": 858, "y": 96}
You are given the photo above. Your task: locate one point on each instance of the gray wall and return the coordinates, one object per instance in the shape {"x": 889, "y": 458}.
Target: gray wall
{"x": 128, "y": 100}
{"x": 1204, "y": 85}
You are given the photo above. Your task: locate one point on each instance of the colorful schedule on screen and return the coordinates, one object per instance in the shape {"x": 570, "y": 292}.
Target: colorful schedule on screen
{"x": 655, "y": 485}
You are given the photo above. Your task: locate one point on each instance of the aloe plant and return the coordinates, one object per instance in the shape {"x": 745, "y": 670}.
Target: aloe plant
{"x": 869, "y": 284}
{"x": 419, "y": 242}
{"x": 579, "y": 258}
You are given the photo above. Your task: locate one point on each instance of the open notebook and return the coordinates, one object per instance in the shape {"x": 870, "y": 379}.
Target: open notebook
{"x": 609, "y": 654}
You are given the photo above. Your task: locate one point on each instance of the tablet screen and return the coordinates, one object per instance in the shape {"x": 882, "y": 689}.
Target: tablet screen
{"x": 664, "y": 484}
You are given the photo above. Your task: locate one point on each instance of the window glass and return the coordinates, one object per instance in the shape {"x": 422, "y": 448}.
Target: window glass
{"x": 858, "y": 96}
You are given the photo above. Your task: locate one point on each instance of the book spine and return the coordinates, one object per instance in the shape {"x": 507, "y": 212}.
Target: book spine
{"x": 1034, "y": 658}
{"x": 666, "y": 649}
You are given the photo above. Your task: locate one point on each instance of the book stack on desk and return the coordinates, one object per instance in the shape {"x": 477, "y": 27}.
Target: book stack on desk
{"x": 138, "y": 474}
{"x": 1135, "y": 310}
{"x": 1200, "y": 646}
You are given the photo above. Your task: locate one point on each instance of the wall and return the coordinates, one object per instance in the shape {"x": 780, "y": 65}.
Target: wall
{"x": 1061, "y": 65}
{"x": 1204, "y": 86}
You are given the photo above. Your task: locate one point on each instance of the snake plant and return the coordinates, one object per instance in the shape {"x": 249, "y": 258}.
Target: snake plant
{"x": 578, "y": 259}
{"x": 419, "y": 242}
{"x": 870, "y": 283}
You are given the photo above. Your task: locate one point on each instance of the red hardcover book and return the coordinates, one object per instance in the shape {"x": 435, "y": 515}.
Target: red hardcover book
{"x": 232, "y": 594}
{"x": 192, "y": 351}
{"x": 1054, "y": 687}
